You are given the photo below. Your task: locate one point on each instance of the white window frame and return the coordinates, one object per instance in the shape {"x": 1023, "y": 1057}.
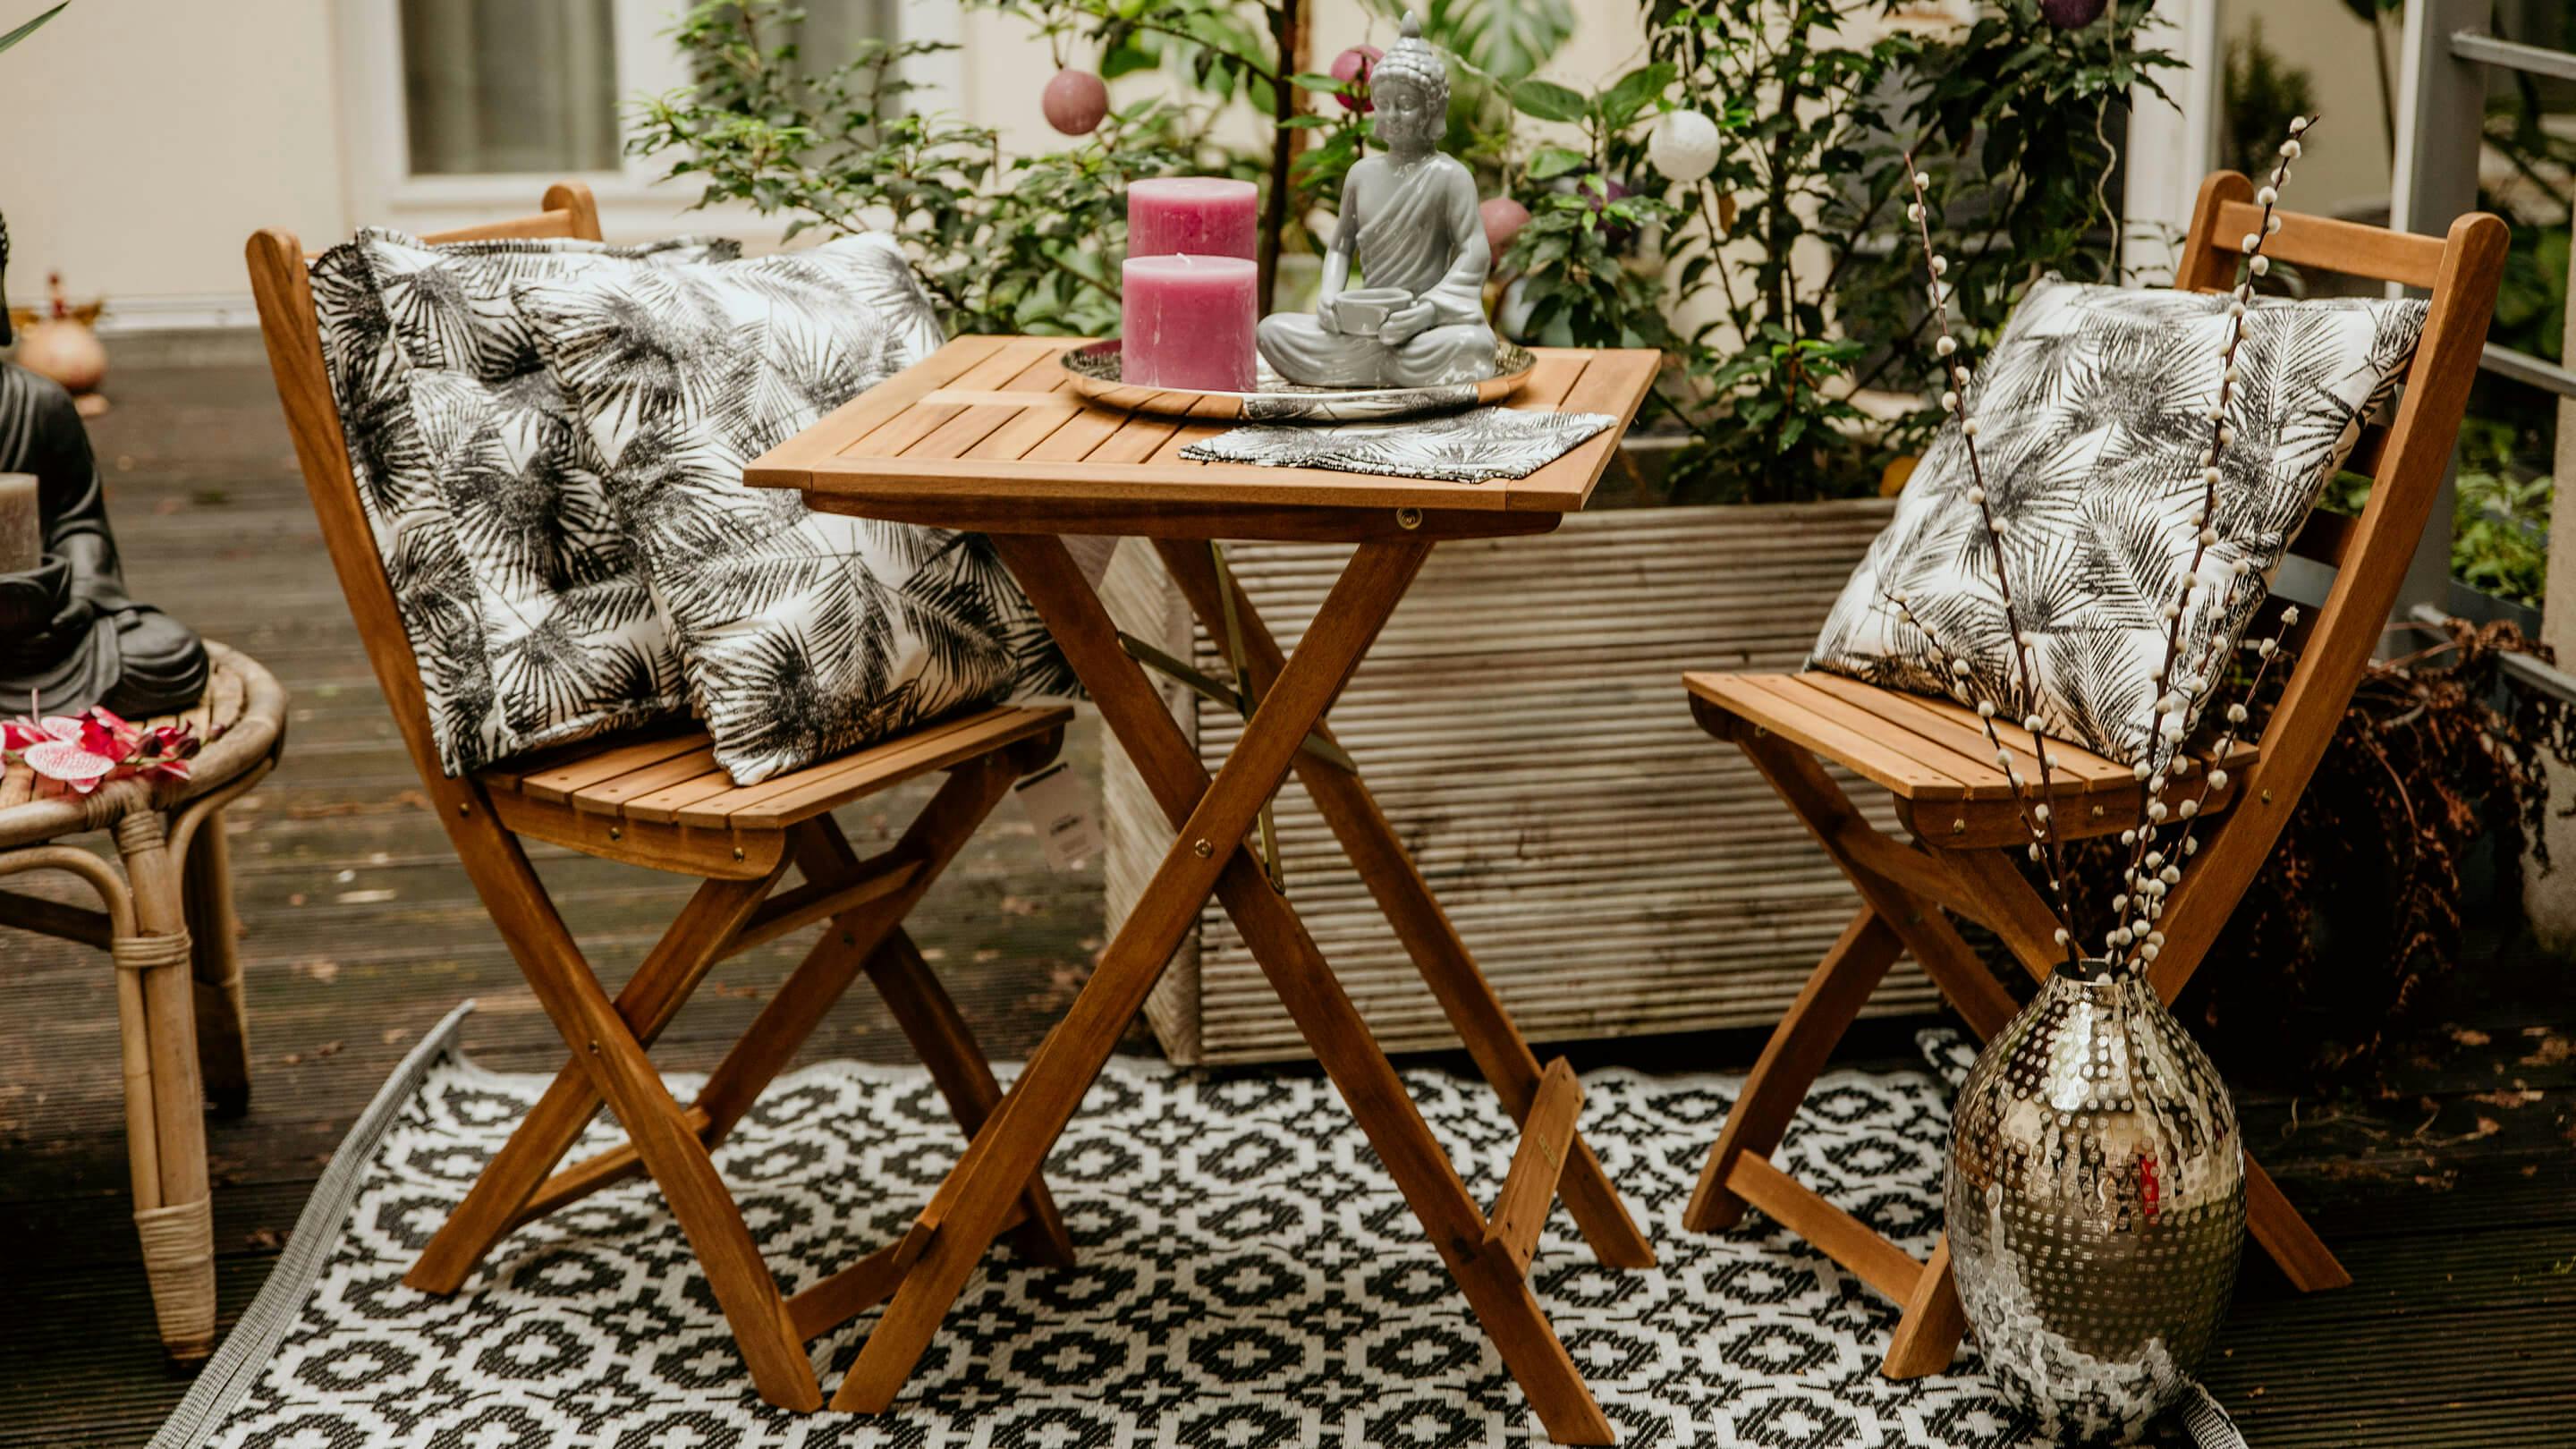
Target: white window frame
{"x": 382, "y": 189}
{"x": 2172, "y": 147}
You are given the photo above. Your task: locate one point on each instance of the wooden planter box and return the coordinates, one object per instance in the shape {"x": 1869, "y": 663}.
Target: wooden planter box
{"x": 1615, "y": 870}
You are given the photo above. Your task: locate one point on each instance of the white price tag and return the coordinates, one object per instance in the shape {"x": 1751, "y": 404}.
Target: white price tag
{"x": 1061, "y": 811}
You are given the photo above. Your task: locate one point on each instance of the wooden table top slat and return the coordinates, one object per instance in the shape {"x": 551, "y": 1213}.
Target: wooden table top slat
{"x": 1612, "y": 382}
{"x": 896, "y": 436}
{"x": 991, "y": 420}
{"x": 845, "y": 425}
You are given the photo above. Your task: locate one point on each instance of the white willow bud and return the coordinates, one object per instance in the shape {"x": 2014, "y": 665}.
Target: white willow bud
{"x": 2236, "y": 714}
{"x": 2210, "y": 476}
{"x": 2208, "y": 536}
{"x": 2191, "y": 847}
{"x": 1923, "y": 179}
{"x": 2267, "y": 647}
{"x": 1945, "y": 346}
{"x": 1949, "y": 402}
{"x": 2062, "y": 938}
{"x": 1940, "y": 266}
{"x": 2170, "y": 875}
{"x": 1985, "y": 709}
{"x": 2034, "y": 852}
{"x": 1959, "y": 667}
{"x": 1914, "y": 212}
{"x": 2130, "y": 837}
{"x": 1976, "y": 494}
{"x": 2148, "y": 951}
{"x": 2187, "y": 809}
{"x": 2290, "y": 617}
{"x": 2141, "y": 769}
{"x": 2250, "y": 242}
{"x": 2040, "y": 813}
{"x": 2266, "y": 196}
{"x": 2290, "y": 150}
{"x": 2156, "y": 810}
{"x": 2300, "y": 124}
{"x": 2259, "y": 265}
{"x": 1969, "y": 427}
{"x": 2217, "y": 779}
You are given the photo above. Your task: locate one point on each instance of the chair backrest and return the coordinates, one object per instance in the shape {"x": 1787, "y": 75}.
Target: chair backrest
{"x": 2370, "y": 554}
{"x": 279, "y": 281}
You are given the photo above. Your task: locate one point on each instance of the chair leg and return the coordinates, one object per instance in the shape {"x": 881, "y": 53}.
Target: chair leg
{"x": 1790, "y": 1061}
{"x": 605, "y": 1047}
{"x": 223, "y": 1018}
{"x": 178, "y": 1230}
{"x": 651, "y": 997}
{"x": 2286, "y": 1235}
{"x": 1927, "y": 1333}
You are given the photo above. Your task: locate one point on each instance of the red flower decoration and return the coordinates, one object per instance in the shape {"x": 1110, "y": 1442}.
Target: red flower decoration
{"x": 86, "y": 750}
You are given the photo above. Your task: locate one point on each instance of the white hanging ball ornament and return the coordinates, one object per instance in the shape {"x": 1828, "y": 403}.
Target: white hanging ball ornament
{"x": 1683, "y": 145}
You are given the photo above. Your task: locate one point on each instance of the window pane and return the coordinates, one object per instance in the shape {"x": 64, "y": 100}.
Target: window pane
{"x": 510, "y": 85}
{"x": 833, "y": 29}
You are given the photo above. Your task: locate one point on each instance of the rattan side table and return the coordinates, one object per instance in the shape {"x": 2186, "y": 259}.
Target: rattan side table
{"x": 166, "y": 921}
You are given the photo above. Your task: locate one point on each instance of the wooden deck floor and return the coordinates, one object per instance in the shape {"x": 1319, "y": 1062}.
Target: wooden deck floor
{"x": 2453, "y": 1199}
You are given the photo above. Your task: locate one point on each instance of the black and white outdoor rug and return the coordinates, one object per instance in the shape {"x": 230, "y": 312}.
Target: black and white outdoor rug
{"x": 1249, "y": 1278}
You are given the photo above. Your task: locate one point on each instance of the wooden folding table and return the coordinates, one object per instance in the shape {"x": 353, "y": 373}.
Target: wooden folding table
{"x": 984, "y": 435}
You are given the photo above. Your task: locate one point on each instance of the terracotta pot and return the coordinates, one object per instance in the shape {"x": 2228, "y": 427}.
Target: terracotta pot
{"x": 66, "y": 351}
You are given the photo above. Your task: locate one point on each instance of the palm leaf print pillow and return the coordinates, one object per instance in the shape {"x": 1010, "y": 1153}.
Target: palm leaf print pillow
{"x": 2092, "y": 419}
{"x": 802, "y": 635}
{"x": 527, "y": 619}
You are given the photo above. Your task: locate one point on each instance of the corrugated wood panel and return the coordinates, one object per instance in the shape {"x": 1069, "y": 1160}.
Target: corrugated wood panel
{"x": 1615, "y": 870}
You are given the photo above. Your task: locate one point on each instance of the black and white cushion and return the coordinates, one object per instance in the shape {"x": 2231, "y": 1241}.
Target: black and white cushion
{"x": 2092, "y": 416}
{"x": 802, "y": 634}
{"x": 526, "y": 616}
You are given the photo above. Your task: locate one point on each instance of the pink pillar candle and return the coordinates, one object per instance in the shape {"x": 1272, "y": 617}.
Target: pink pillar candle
{"x": 1186, "y": 322}
{"x": 1204, "y": 216}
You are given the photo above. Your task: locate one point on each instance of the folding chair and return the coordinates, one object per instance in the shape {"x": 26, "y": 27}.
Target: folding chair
{"x": 661, "y": 802}
{"x": 1953, "y": 798}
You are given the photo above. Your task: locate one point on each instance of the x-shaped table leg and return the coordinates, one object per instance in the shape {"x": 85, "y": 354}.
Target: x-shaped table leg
{"x": 1208, "y": 856}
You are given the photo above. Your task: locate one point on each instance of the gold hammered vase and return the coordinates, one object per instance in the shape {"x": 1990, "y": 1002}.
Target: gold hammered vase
{"x": 2096, "y": 1204}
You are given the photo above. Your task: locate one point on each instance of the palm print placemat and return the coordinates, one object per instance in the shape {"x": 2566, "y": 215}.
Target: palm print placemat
{"x": 1249, "y": 1278}
{"x": 1470, "y": 447}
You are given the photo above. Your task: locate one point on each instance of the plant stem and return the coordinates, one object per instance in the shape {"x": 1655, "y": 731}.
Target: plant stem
{"x": 1287, "y": 30}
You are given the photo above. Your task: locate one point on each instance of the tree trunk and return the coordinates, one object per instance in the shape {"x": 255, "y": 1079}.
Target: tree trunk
{"x": 1288, "y": 30}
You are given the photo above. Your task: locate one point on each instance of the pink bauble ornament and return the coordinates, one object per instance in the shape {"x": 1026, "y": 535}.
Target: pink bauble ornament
{"x": 1353, "y": 66}
{"x": 1503, "y": 218}
{"x": 2071, "y": 14}
{"x": 1075, "y": 101}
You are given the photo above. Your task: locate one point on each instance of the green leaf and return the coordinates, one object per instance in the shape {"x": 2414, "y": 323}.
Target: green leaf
{"x": 1552, "y": 161}
{"x": 1548, "y": 101}
{"x": 1634, "y": 91}
{"x": 32, "y": 26}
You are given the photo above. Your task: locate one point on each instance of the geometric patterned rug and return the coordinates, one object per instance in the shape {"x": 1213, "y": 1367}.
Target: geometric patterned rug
{"x": 1249, "y": 1278}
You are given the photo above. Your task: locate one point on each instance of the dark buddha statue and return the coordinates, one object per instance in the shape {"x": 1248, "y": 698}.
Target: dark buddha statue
{"x": 70, "y": 637}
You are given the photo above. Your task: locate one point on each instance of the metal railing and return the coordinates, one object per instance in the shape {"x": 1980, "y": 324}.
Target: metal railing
{"x": 2441, "y": 103}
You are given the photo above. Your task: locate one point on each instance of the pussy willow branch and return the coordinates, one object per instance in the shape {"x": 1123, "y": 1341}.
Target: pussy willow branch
{"x": 2181, "y": 695}
{"x": 1954, "y": 400}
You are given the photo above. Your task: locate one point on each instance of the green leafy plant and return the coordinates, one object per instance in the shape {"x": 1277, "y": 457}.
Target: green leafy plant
{"x": 1571, "y": 255}
{"x": 1005, "y": 245}
{"x": 21, "y": 32}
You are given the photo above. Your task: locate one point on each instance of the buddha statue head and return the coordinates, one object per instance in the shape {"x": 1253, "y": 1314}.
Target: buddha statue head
{"x": 1409, "y": 93}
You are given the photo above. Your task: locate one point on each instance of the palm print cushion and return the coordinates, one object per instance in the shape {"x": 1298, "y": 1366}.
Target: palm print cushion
{"x": 2092, "y": 417}
{"x": 802, "y": 634}
{"x": 526, "y": 617}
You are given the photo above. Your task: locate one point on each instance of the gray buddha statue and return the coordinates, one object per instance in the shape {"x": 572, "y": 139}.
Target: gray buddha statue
{"x": 70, "y": 637}
{"x": 1409, "y": 224}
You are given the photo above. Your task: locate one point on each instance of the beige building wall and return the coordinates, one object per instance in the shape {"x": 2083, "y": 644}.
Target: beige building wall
{"x": 142, "y": 140}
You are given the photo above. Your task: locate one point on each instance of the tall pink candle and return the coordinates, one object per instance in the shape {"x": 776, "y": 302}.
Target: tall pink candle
{"x": 1204, "y": 216}
{"x": 1187, "y": 322}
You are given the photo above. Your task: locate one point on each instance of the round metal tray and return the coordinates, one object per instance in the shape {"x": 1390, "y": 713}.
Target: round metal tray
{"x": 1094, "y": 370}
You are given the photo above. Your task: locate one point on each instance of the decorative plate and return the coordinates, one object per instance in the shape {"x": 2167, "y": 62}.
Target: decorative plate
{"x": 1095, "y": 372}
